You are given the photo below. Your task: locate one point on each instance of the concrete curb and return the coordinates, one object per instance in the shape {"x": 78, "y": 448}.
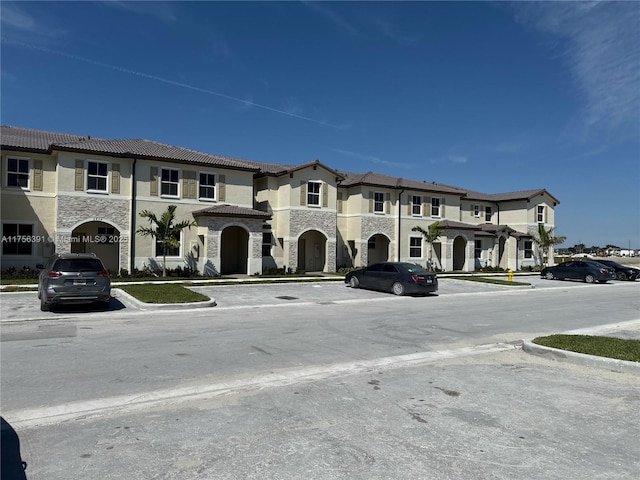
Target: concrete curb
{"x": 161, "y": 306}
{"x": 611, "y": 364}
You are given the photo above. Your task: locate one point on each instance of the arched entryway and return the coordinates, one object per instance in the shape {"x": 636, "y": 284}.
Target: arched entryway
{"x": 378, "y": 249}
{"x": 312, "y": 251}
{"x": 459, "y": 253}
{"x": 100, "y": 238}
{"x": 234, "y": 250}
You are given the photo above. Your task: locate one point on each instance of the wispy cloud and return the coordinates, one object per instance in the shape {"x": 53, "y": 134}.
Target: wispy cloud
{"x": 372, "y": 159}
{"x": 163, "y": 11}
{"x": 451, "y": 158}
{"x": 602, "y": 52}
{"x": 246, "y": 102}
{"x": 22, "y": 25}
{"x": 338, "y": 20}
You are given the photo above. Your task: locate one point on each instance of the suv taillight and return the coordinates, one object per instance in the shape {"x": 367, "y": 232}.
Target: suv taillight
{"x": 103, "y": 273}
{"x": 54, "y": 274}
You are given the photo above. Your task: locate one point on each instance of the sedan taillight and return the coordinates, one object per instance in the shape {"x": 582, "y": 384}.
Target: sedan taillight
{"x": 415, "y": 278}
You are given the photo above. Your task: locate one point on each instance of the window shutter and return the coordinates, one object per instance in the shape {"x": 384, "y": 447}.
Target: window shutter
{"x": 37, "y": 174}
{"x": 325, "y": 195}
{"x": 189, "y": 184}
{"x": 409, "y": 204}
{"x": 222, "y": 187}
{"x": 79, "y": 175}
{"x": 303, "y": 193}
{"x": 339, "y": 206}
{"x": 442, "y": 214}
{"x": 387, "y": 203}
{"x": 153, "y": 186}
{"x": 425, "y": 209}
{"x": 115, "y": 178}
{"x": 370, "y": 202}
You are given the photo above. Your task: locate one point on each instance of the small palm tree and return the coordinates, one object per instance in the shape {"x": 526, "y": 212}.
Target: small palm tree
{"x": 545, "y": 239}
{"x": 164, "y": 230}
{"x": 430, "y": 235}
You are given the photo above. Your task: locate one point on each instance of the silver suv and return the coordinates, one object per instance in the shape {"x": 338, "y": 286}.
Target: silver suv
{"x": 73, "y": 278}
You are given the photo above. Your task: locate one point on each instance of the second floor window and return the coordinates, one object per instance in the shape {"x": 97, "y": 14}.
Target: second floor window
{"x": 169, "y": 182}
{"x": 378, "y": 202}
{"x": 18, "y": 172}
{"x": 97, "y": 174}
{"x": 476, "y": 211}
{"x": 435, "y": 207}
{"x": 540, "y": 214}
{"x": 416, "y": 205}
{"x": 487, "y": 214}
{"x": 207, "y": 186}
{"x": 313, "y": 193}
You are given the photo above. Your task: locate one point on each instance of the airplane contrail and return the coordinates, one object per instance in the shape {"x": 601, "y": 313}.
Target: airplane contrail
{"x": 169, "y": 82}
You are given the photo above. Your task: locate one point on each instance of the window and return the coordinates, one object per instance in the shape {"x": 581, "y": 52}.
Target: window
{"x": 540, "y": 213}
{"x": 106, "y": 235}
{"x": 266, "y": 244}
{"x": 478, "y": 248}
{"x": 476, "y": 211}
{"x": 378, "y": 202}
{"x": 415, "y": 247}
{"x": 528, "y": 249}
{"x": 416, "y": 205}
{"x": 207, "y": 186}
{"x": 435, "y": 207}
{"x": 97, "y": 173}
{"x": 313, "y": 193}
{"x": 372, "y": 243}
{"x": 17, "y": 239}
{"x": 487, "y": 214}
{"x": 168, "y": 250}
{"x": 169, "y": 182}
{"x": 18, "y": 172}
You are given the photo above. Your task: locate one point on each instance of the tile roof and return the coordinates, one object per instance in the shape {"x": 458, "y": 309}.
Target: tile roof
{"x": 382, "y": 180}
{"x": 231, "y": 211}
{"x": 501, "y": 197}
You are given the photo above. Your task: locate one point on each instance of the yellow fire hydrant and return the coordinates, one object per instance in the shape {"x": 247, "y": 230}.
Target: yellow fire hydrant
{"x": 510, "y": 275}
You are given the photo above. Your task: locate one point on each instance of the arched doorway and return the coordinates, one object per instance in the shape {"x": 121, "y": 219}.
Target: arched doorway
{"x": 459, "y": 253}
{"x": 312, "y": 249}
{"x": 377, "y": 249}
{"x": 99, "y": 238}
{"x": 234, "y": 250}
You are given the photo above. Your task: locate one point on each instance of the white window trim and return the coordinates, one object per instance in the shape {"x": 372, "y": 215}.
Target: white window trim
{"x": 421, "y": 242}
{"x": 490, "y": 219}
{"x": 86, "y": 168}
{"x": 476, "y": 211}
{"x": 420, "y": 213}
{"x": 540, "y": 213}
{"x": 215, "y": 187}
{"x": 381, "y": 211}
{"x": 29, "y": 167}
{"x": 166, "y": 195}
{"x": 319, "y": 194}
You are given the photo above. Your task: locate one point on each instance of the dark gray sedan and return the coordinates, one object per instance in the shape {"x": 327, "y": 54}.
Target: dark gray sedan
{"x": 586, "y": 270}
{"x": 396, "y": 277}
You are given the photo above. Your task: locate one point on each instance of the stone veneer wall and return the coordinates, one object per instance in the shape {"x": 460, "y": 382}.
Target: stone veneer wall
{"x": 215, "y": 225}
{"x": 322, "y": 220}
{"x": 371, "y": 225}
{"x": 74, "y": 210}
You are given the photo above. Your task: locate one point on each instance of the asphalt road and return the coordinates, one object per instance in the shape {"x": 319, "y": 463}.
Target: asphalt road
{"x": 321, "y": 381}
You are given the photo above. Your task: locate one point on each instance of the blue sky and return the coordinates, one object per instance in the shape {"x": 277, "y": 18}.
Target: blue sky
{"x": 489, "y": 96}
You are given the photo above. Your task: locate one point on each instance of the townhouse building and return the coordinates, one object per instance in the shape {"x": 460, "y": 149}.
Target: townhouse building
{"x": 73, "y": 193}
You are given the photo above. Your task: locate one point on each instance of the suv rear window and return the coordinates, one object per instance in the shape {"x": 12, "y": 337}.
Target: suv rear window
{"x": 78, "y": 265}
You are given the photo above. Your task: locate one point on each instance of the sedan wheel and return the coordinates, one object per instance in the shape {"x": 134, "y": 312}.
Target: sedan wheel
{"x": 588, "y": 278}
{"x": 354, "y": 282}
{"x": 398, "y": 288}
{"x": 549, "y": 276}
{"x": 621, "y": 276}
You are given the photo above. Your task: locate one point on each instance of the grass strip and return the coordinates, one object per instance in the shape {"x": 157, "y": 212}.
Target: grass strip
{"x": 610, "y": 347}
{"x": 163, "y": 293}
{"x": 495, "y": 281}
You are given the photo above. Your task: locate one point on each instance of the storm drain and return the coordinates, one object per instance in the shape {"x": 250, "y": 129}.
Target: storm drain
{"x": 287, "y": 297}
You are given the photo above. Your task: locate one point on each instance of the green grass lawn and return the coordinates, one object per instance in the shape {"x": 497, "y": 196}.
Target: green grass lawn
{"x": 163, "y": 293}
{"x": 610, "y": 347}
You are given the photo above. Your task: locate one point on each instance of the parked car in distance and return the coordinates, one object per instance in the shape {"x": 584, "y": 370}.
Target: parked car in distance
{"x": 73, "y": 278}
{"x": 588, "y": 271}
{"x": 397, "y": 277}
{"x": 622, "y": 271}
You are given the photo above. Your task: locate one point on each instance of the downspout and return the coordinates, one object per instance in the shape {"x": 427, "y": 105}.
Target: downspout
{"x": 132, "y": 228}
{"x": 398, "y": 242}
